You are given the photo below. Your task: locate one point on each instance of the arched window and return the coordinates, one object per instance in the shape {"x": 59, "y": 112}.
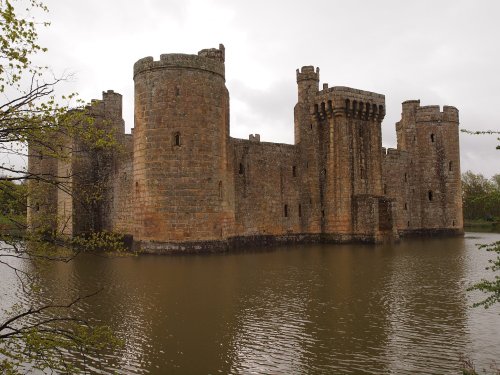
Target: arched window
{"x": 406, "y": 177}
{"x": 294, "y": 171}
{"x": 432, "y": 137}
{"x": 177, "y": 139}
{"x": 406, "y": 206}
{"x": 430, "y": 195}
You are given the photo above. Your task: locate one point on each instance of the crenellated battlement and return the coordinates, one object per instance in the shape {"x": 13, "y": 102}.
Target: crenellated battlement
{"x": 110, "y": 104}
{"x": 340, "y": 100}
{"x": 307, "y": 73}
{"x": 429, "y": 113}
{"x": 210, "y": 60}
{"x": 214, "y": 53}
{"x": 433, "y": 114}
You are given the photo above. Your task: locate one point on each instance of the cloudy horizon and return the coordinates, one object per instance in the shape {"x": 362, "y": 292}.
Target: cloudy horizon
{"x": 443, "y": 53}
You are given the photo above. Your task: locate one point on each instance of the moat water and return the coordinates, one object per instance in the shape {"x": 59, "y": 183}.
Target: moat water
{"x": 314, "y": 309}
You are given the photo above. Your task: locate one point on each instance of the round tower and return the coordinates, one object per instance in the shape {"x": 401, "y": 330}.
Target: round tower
{"x": 181, "y": 179}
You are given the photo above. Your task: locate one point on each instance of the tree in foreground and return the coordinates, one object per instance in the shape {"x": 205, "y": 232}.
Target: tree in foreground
{"x": 42, "y": 334}
{"x": 482, "y": 199}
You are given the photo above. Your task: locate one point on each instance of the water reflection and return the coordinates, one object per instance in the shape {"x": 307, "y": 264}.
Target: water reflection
{"x": 311, "y": 309}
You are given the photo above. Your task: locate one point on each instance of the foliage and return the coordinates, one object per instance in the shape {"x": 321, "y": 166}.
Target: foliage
{"x": 11, "y": 198}
{"x": 43, "y": 334}
{"x": 490, "y": 287}
{"x": 482, "y": 132}
{"x": 481, "y": 197}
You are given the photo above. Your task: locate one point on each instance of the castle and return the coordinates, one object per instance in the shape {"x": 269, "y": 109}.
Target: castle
{"x": 181, "y": 183}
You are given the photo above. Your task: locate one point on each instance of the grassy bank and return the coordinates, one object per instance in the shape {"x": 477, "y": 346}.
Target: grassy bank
{"x": 482, "y": 225}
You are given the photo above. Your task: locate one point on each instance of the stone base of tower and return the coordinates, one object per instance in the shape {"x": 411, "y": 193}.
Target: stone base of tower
{"x": 432, "y": 232}
{"x": 252, "y": 242}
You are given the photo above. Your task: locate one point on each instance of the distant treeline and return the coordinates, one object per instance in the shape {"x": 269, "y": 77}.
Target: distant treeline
{"x": 481, "y": 197}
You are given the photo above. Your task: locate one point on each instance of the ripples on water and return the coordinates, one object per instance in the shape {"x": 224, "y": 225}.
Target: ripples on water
{"x": 399, "y": 309}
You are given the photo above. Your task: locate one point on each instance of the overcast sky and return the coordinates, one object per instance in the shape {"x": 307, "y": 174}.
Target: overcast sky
{"x": 441, "y": 52}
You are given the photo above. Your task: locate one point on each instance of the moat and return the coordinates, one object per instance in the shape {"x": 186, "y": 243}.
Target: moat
{"x": 317, "y": 309}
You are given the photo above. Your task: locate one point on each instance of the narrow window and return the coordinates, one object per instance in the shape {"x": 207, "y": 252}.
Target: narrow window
{"x": 310, "y": 201}
{"x": 300, "y": 210}
{"x": 432, "y": 137}
{"x": 177, "y": 91}
{"x": 311, "y": 126}
{"x": 220, "y": 189}
{"x": 322, "y": 213}
{"x": 242, "y": 169}
{"x": 453, "y": 223}
{"x": 137, "y": 187}
{"x": 294, "y": 171}
{"x": 406, "y": 206}
{"x": 450, "y": 166}
{"x": 408, "y": 224}
{"x": 406, "y": 177}
{"x": 177, "y": 139}
{"x": 362, "y": 173}
{"x": 37, "y": 207}
{"x": 385, "y": 189}
{"x": 286, "y": 210}
{"x": 429, "y": 194}
{"x": 316, "y": 108}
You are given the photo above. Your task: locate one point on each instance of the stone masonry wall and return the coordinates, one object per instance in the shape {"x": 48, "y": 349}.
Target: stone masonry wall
{"x": 180, "y": 182}
{"x": 267, "y": 189}
{"x": 182, "y": 179}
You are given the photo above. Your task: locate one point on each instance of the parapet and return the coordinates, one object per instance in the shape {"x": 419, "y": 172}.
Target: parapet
{"x": 209, "y": 60}
{"x": 254, "y": 138}
{"x": 433, "y": 113}
{"x": 307, "y": 73}
{"x": 350, "y": 102}
{"x": 214, "y": 53}
{"x": 111, "y": 102}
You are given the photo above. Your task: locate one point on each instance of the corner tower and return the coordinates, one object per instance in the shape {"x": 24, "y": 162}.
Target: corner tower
{"x": 181, "y": 181}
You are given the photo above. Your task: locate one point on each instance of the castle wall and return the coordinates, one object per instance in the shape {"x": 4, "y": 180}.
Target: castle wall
{"x": 398, "y": 184}
{"x": 181, "y": 173}
{"x": 121, "y": 189}
{"x": 423, "y": 175}
{"x": 439, "y": 166}
{"x": 180, "y": 182}
{"x": 267, "y": 189}
{"x": 42, "y": 197}
{"x": 346, "y": 123}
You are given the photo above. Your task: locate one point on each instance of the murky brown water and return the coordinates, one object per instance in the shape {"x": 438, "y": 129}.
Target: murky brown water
{"x": 315, "y": 309}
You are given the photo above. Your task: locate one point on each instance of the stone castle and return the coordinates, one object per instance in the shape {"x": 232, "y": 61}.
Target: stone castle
{"x": 181, "y": 183}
